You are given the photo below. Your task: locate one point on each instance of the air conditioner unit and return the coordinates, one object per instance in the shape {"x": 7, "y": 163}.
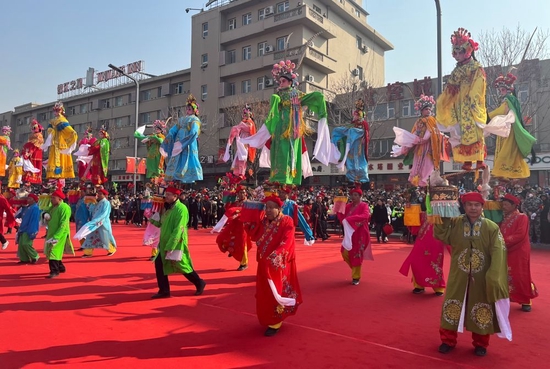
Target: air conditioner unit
{"x": 310, "y": 78}
{"x": 268, "y": 82}
{"x": 204, "y": 65}
{"x": 355, "y": 72}
{"x": 269, "y": 49}
{"x": 268, "y": 10}
{"x": 365, "y": 49}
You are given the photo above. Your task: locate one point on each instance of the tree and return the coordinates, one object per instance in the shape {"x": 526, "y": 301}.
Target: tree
{"x": 520, "y": 52}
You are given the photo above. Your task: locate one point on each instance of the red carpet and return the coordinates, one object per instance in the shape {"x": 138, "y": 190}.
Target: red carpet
{"x": 99, "y": 315}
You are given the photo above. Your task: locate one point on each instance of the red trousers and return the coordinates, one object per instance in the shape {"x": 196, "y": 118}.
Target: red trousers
{"x": 449, "y": 337}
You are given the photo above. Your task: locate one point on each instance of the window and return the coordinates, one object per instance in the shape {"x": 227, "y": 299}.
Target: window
{"x": 231, "y": 89}
{"x": 118, "y": 101}
{"x": 407, "y": 108}
{"x": 231, "y": 57}
{"x": 247, "y": 52}
{"x": 121, "y": 142}
{"x": 261, "y": 14}
{"x": 360, "y": 73}
{"x": 177, "y": 88}
{"x": 232, "y": 23}
{"x": 106, "y": 104}
{"x": 261, "y": 48}
{"x": 146, "y": 95}
{"x": 71, "y": 110}
{"x": 204, "y": 59}
{"x": 357, "y": 13}
{"x": 83, "y": 108}
{"x": 146, "y": 118}
{"x": 247, "y": 86}
{"x": 247, "y": 19}
{"x": 261, "y": 83}
{"x": 316, "y": 8}
{"x": 380, "y": 112}
{"x": 204, "y": 29}
{"x": 204, "y": 92}
{"x": 283, "y": 7}
{"x": 523, "y": 93}
{"x": 119, "y": 122}
{"x": 281, "y": 43}
{"x": 359, "y": 42}
{"x": 391, "y": 110}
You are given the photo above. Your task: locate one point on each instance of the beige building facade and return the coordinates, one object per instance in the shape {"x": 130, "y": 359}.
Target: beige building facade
{"x": 234, "y": 46}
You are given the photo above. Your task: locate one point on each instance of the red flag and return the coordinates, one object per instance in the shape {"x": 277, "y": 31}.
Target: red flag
{"x": 221, "y": 153}
{"x": 130, "y": 164}
{"x": 142, "y": 166}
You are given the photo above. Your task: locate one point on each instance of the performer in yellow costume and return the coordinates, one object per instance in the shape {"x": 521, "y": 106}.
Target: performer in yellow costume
{"x": 15, "y": 170}
{"x": 461, "y": 106}
{"x": 61, "y": 142}
{"x": 510, "y": 151}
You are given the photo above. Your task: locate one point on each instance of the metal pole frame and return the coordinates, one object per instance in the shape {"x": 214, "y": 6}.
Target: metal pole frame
{"x": 137, "y": 121}
{"x": 439, "y": 64}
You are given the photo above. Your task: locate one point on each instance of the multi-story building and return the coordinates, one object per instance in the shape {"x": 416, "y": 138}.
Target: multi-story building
{"x": 234, "y": 46}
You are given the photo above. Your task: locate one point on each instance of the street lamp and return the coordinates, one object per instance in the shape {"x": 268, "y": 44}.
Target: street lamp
{"x": 188, "y": 9}
{"x": 439, "y": 67}
{"x": 117, "y": 69}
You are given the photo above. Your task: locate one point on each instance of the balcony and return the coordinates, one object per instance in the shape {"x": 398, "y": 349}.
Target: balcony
{"x": 264, "y": 62}
{"x": 313, "y": 58}
{"x": 302, "y": 15}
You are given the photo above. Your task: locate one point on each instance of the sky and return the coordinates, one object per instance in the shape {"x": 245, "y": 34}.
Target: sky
{"x": 45, "y": 43}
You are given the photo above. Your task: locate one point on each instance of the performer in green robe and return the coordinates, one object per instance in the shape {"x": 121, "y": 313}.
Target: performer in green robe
{"x": 173, "y": 256}
{"x": 155, "y": 161}
{"x": 477, "y": 289}
{"x": 58, "y": 241}
{"x": 282, "y": 138}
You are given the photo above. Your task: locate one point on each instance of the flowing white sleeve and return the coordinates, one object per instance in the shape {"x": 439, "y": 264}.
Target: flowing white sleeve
{"x": 322, "y": 148}
{"x": 257, "y": 140}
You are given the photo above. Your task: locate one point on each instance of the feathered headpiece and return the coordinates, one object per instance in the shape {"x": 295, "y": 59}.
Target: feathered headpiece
{"x": 192, "y": 103}
{"x": 160, "y": 125}
{"x": 15, "y": 152}
{"x": 425, "y": 101}
{"x": 506, "y": 81}
{"x": 462, "y": 39}
{"x": 103, "y": 131}
{"x": 59, "y": 108}
{"x": 284, "y": 69}
{"x": 36, "y": 127}
{"x": 6, "y": 130}
{"x": 247, "y": 112}
{"x": 360, "y": 109}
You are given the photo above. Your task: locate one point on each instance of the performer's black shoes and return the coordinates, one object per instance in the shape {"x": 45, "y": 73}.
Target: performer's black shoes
{"x": 161, "y": 295}
{"x": 270, "y": 332}
{"x": 200, "y": 288}
{"x": 242, "y": 267}
{"x": 52, "y": 275}
{"x": 445, "y": 349}
{"x": 480, "y": 351}
{"x": 417, "y": 291}
{"x": 355, "y": 282}
{"x": 439, "y": 293}
{"x": 526, "y": 308}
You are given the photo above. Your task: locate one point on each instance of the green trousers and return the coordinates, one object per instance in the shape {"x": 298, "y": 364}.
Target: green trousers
{"x": 25, "y": 250}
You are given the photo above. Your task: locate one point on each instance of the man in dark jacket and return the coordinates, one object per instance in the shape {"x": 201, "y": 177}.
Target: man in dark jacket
{"x": 379, "y": 218}
{"x": 319, "y": 218}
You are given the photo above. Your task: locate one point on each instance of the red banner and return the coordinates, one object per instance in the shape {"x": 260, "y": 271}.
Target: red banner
{"x": 142, "y": 166}
{"x": 130, "y": 164}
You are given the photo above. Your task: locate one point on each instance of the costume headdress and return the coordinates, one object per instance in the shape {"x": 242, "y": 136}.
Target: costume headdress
{"x": 16, "y": 152}
{"x": 462, "y": 39}
{"x": 103, "y": 131}
{"x": 6, "y": 130}
{"x": 356, "y": 189}
{"x": 360, "y": 108}
{"x": 247, "y": 112}
{"x": 36, "y": 127}
{"x": 284, "y": 69}
{"x": 506, "y": 81}
{"x": 160, "y": 125}
{"x": 423, "y": 102}
{"x": 192, "y": 103}
{"x": 59, "y": 108}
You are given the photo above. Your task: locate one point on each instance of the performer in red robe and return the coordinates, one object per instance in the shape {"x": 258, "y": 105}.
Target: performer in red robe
{"x": 32, "y": 151}
{"x": 100, "y": 158}
{"x": 10, "y": 220}
{"x": 515, "y": 230}
{"x": 278, "y": 292}
{"x": 426, "y": 260}
{"x": 356, "y": 245}
{"x": 83, "y": 171}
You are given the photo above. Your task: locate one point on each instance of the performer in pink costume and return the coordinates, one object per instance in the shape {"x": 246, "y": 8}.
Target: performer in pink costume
{"x": 246, "y": 128}
{"x": 426, "y": 261}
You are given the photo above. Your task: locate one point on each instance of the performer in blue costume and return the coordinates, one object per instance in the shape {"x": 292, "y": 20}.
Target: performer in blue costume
{"x": 290, "y": 208}
{"x": 355, "y": 140}
{"x": 181, "y": 148}
{"x": 98, "y": 232}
